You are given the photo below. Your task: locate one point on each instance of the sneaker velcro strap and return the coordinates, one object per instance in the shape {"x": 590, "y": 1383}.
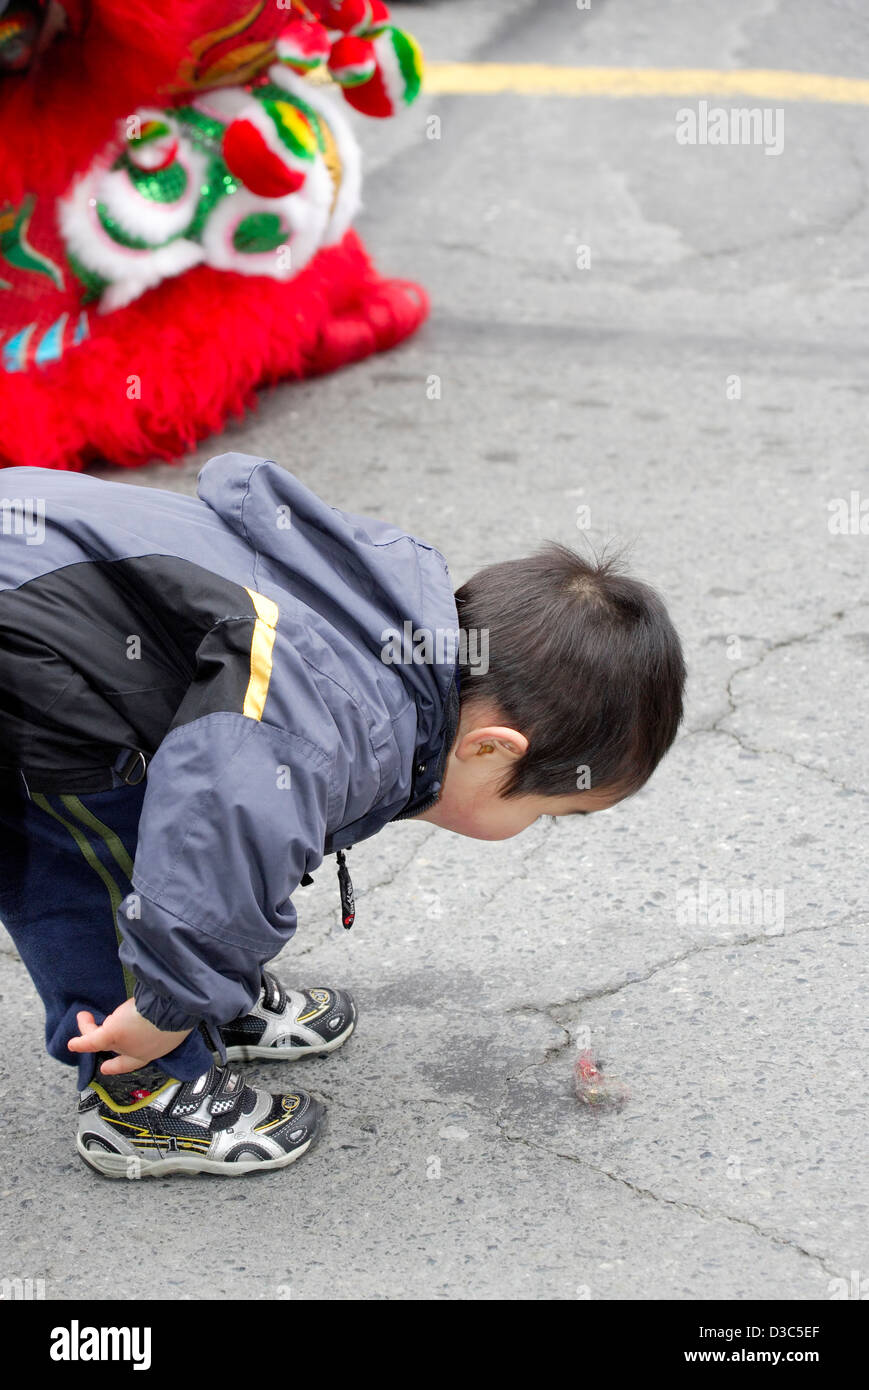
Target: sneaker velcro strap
{"x": 191, "y": 1094}
{"x": 274, "y": 995}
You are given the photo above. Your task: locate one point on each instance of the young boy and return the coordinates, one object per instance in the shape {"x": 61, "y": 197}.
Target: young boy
{"x": 202, "y": 697}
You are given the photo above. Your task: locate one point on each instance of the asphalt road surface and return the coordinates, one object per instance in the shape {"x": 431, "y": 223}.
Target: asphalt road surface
{"x": 673, "y": 336}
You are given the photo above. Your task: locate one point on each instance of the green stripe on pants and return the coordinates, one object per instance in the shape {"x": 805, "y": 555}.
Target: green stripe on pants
{"x": 115, "y": 895}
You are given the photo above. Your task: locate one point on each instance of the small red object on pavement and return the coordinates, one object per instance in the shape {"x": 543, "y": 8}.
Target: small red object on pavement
{"x": 593, "y": 1087}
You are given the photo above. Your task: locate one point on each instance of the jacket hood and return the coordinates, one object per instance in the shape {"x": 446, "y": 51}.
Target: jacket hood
{"x": 378, "y": 585}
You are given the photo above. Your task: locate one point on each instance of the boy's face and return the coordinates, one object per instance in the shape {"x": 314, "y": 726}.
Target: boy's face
{"x": 470, "y": 803}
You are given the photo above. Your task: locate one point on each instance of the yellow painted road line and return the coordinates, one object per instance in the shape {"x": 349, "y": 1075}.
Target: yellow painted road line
{"x": 542, "y": 79}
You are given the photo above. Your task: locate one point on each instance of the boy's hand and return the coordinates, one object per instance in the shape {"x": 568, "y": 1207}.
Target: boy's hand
{"x": 129, "y": 1034}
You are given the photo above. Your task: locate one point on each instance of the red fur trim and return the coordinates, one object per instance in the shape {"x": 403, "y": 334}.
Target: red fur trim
{"x": 64, "y": 109}
{"x": 200, "y": 346}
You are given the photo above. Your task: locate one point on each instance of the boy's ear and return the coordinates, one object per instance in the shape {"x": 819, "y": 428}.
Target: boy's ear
{"x": 492, "y": 740}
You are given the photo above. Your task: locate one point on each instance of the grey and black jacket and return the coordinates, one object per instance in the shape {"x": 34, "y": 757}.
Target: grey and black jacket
{"x": 232, "y": 643}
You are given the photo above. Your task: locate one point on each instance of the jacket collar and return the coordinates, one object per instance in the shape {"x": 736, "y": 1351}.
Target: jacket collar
{"x": 430, "y": 760}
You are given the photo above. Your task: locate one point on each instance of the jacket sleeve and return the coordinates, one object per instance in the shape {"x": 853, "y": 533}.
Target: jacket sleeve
{"x": 235, "y": 814}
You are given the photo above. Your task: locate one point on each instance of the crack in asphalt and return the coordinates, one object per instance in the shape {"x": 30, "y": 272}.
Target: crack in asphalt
{"x": 606, "y": 991}
{"x": 556, "y": 1049}
{"x": 502, "y": 1133}
{"x": 715, "y": 727}
{"x": 760, "y": 751}
{"x": 819, "y": 229}
{"x": 706, "y": 1215}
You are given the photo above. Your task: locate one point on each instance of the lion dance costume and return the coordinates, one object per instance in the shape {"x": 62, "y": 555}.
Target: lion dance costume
{"x": 177, "y": 187}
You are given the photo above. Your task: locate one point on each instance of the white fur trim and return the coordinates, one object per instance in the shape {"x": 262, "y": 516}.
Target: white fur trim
{"x": 321, "y": 98}
{"x": 222, "y": 103}
{"x": 130, "y": 271}
{"x": 349, "y": 199}
{"x": 172, "y": 260}
{"x": 333, "y": 110}
{"x": 390, "y": 68}
{"x": 306, "y": 213}
{"x": 142, "y": 217}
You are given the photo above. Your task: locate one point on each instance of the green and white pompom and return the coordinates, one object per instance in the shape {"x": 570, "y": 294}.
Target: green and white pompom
{"x": 303, "y": 46}
{"x": 397, "y": 77}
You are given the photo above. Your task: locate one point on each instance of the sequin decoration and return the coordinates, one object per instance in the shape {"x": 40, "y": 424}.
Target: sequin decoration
{"x": 203, "y": 132}
{"x": 217, "y": 183}
{"x": 160, "y": 185}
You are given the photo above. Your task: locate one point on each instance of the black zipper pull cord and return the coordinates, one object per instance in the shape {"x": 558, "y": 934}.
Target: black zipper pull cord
{"x": 348, "y": 897}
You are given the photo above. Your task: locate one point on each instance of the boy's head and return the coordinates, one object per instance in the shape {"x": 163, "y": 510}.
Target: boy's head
{"x": 580, "y": 697}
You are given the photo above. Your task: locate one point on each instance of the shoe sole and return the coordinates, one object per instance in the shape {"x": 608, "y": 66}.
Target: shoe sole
{"x": 284, "y": 1054}
{"x": 115, "y": 1165}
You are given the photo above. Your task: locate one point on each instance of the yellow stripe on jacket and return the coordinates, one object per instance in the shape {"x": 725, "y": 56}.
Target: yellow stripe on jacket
{"x": 262, "y": 642}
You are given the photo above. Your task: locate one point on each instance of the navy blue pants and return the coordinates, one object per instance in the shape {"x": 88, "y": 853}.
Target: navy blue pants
{"x": 65, "y": 865}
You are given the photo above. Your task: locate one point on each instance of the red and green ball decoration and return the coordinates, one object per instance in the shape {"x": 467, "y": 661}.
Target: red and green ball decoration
{"x": 303, "y": 46}
{"x": 392, "y": 64}
{"x": 348, "y": 16}
{"x": 379, "y": 19}
{"x": 352, "y": 61}
{"x": 377, "y": 65}
{"x": 154, "y": 148}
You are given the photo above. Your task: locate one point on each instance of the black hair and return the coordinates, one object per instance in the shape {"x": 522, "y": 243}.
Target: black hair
{"x": 583, "y": 660}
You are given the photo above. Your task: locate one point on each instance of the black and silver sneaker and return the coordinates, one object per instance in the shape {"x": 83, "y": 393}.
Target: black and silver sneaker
{"x": 290, "y": 1023}
{"x": 141, "y": 1124}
